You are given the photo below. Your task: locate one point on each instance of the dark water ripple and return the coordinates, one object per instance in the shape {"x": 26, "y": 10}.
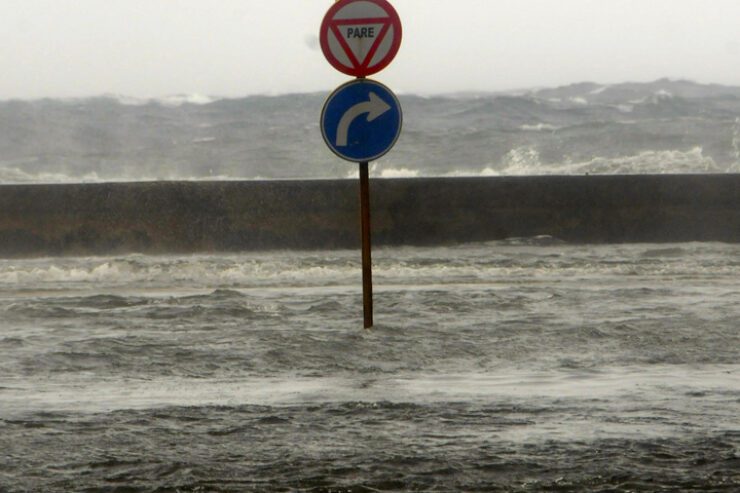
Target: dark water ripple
{"x": 349, "y": 447}
{"x": 229, "y": 332}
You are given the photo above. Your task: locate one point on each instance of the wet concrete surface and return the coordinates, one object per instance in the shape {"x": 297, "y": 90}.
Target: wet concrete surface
{"x": 184, "y": 217}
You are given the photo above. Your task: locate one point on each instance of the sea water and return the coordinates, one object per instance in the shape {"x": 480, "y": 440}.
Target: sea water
{"x": 522, "y": 365}
{"x": 665, "y": 126}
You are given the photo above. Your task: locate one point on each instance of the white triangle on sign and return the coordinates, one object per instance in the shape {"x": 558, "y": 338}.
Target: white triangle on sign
{"x": 338, "y": 50}
{"x": 361, "y": 38}
{"x": 357, "y": 44}
{"x": 384, "y": 47}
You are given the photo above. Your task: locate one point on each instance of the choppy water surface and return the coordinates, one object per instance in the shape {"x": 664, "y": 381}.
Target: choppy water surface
{"x": 509, "y": 366}
{"x": 666, "y": 126}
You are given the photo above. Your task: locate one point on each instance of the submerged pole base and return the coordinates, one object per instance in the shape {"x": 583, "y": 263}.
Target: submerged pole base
{"x": 367, "y": 272}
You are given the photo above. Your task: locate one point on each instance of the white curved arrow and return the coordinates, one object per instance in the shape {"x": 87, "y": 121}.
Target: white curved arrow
{"x": 374, "y": 108}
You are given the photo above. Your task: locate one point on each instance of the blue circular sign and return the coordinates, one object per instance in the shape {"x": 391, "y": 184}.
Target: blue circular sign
{"x": 361, "y": 120}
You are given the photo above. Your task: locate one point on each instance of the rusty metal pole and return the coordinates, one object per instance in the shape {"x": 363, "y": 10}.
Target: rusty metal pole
{"x": 367, "y": 269}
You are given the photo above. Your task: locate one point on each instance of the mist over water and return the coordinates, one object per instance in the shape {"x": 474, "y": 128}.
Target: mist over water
{"x": 660, "y": 127}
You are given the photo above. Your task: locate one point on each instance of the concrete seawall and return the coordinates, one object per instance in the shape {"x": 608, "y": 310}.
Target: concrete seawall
{"x": 180, "y": 217}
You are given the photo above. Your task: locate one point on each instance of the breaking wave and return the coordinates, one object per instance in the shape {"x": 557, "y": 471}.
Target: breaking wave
{"x": 660, "y": 127}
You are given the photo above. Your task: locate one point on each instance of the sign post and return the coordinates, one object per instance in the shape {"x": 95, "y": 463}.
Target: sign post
{"x": 367, "y": 260}
{"x": 361, "y": 120}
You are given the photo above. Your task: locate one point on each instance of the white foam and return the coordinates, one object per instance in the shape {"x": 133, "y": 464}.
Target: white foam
{"x": 172, "y": 100}
{"x": 538, "y": 127}
{"x": 619, "y": 387}
{"x": 379, "y": 171}
{"x": 399, "y": 173}
{"x": 486, "y": 171}
{"x": 14, "y": 175}
{"x": 180, "y": 99}
{"x": 202, "y": 272}
{"x": 521, "y": 160}
{"x": 526, "y": 161}
{"x": 599, "y": 90}
{"x": 128, "y": 100}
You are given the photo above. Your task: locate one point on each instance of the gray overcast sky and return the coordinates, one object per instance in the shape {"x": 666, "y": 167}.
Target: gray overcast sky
{"x": 153, "y": 48}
